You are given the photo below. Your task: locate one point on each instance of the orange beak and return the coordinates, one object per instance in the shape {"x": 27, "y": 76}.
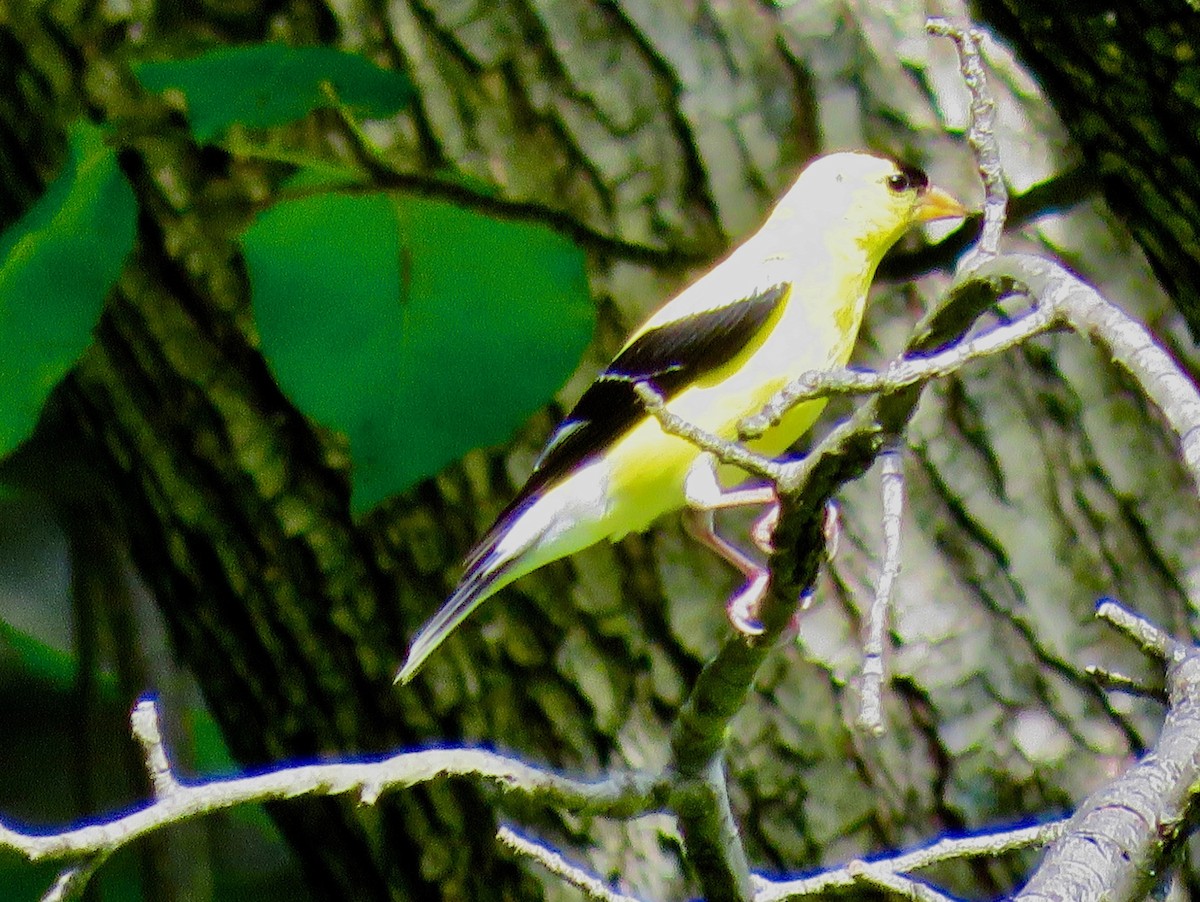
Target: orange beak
{"x": 935, "y": 203}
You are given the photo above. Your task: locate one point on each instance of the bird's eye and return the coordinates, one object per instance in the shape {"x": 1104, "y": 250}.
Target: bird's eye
{"x": 907, "y": 178}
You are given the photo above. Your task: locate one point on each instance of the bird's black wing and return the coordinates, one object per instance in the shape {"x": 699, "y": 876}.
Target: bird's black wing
{"x": 669, "y": 357}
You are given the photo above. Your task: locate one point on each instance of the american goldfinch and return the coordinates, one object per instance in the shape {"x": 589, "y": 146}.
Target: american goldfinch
{"x": 789, "y": 300}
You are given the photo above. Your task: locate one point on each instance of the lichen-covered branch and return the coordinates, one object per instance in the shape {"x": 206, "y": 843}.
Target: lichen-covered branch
{"x": 1121, "y": 841}
{"x": 1061, "y": 295}
{"x": 620, "y": 795}
{"x": 553, "y": 862}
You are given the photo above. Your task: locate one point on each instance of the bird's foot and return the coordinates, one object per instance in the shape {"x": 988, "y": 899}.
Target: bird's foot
{"x": 832, "y": 528}
{"x": 743, "y": 607}
{"x": 763, "y": 531}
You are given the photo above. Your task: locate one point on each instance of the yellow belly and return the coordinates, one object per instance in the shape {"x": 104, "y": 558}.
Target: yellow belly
{"x": 641, "y": 477}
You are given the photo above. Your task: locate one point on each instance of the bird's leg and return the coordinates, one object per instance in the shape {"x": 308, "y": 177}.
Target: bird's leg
{"x": 742, "y": 607}
{"x": 705, "y": 495}
{"x": 763, "y": 530}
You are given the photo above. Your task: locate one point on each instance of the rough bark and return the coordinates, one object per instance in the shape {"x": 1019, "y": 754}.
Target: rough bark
{"x": 1125, "y": 79}
{"x": 1037, "y": 481}
{"x": 292, "y": 616}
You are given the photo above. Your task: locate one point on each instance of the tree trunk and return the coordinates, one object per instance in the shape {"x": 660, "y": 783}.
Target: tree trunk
{"x": 294, "y": 617}
{"x": 668, "y": 127}
{"x": 1125, "y": 78}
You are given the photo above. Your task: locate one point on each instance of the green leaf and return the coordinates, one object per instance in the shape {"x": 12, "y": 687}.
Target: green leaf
{"x": 419, "y": 329}
{"x": 57, "y": 265}
{"x": 262, "y": 85}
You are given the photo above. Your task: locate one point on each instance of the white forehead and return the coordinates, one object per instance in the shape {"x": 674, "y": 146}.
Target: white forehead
{"x": 851, "y": 167}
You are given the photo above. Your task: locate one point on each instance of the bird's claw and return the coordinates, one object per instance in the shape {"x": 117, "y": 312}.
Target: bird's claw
{"x": 832, "y": 528}
{"x": 762, "y": 533}
{"x": 743, "y": 607}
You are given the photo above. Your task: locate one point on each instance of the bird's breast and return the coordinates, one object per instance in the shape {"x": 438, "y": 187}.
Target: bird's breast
{"x": 646, "y": 468}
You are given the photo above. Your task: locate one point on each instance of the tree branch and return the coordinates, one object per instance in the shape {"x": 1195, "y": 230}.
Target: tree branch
{"x": 981, "y": 135}
{"x": 859, "y": 873}
{"x": 1068, "y": 299}
{"x": 1122, "y": 839}
{"x": 621, "y": 795}
{"x": 870, "y": 715}
{"x": 590, "y": 886}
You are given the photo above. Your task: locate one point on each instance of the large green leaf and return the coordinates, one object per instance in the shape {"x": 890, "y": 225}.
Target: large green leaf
{"x": 419, "y": 329}
{"x": 261, "y": 85}
{"x": 57, "y": 265}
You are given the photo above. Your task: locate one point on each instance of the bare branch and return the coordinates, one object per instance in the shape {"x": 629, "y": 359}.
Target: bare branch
{"x": 624, "y": 795}
{"x": 725, "y": 451}
{"x": 999, "y": 842}
{"x": 1119, "y": 682}
{"x": 1130, "y": 344}
{"x": 902, "y": 373}
{"x": 590, "y": 886}
{"x": 981, "y": 135}
{"x": 944, "y": 850}
{"x": 1154, "y": 642}
{"x": 870, "y": 715}
{"x": 1124, "y": 836}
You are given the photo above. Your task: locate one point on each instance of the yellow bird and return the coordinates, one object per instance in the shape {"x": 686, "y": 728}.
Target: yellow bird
{"x": 789, "y": 300}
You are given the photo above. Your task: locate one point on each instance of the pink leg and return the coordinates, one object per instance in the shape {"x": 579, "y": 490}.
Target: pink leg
{"x": 742, "y": 607}
{"x": 705, "y": 495}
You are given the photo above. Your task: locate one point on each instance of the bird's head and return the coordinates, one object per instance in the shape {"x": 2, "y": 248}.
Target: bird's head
{"x": 869, "y": 200}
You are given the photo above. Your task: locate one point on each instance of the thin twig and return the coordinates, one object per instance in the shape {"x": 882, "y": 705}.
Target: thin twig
{"x": 1153, "y": 641}
{"x": 944, "y": 850}
{"x": 999, "y": 842}
{"x": 981, "y": 135}
{"x": 622, "y": 795}
{"x": 900, "y": 373}
{"x": 728, "y": 452}
{"x": 379, "y": 174}
{"x": 870, "y": 714}
{"x": 144, "y": 723}
{"x": 1120, "y": 682}
{"x": 548, "y": 858}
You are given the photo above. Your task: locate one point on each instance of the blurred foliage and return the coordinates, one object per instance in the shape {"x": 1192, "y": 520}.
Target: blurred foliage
{"x": 37, "y": 659}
